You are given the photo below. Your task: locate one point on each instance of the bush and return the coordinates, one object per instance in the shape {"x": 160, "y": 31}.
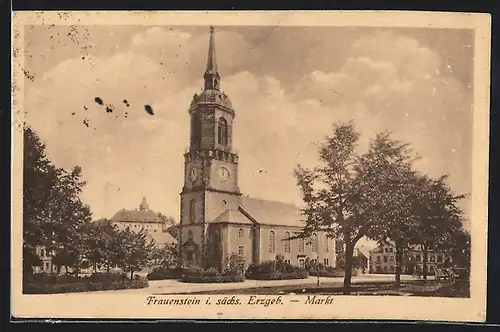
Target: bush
{"x": 275, "y": 270}
{"x": 194, "y": 274}
{"x": 85, "y": 284}
{"x": 161, "y": 273}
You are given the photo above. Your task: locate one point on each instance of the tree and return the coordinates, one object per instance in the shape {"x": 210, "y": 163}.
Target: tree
{"x": 332, "y": 193}
{"x": 136, "y": 252}
{"x": 461, "y": 248}
{"x": 166, "y": 256}
{"x": 439, "y": 217}
{"x": 101, "y": 245}
{"x": 390, "y": 186}
{"x": 53, "y": 214}
{"x": 39, "y": 177}
{"x": 69, "y": 220}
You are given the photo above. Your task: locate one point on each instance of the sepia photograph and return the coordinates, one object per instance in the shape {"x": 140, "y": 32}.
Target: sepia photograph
{"x": 279, "y": 165}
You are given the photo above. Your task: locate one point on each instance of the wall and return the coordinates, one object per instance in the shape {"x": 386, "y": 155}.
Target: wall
{"x": 236, "y": 242}
{"x": 214, "y": 205}
{"x": 293, "y": 255}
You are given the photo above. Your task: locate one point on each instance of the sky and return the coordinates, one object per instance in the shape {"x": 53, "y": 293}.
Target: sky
{"x": 288, "y": 85}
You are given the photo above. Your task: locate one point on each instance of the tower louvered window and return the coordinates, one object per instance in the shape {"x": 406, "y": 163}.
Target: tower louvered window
{"x": 222, "y": 132}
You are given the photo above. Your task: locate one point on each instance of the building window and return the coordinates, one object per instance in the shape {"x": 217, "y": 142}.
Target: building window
{"x": 385, "y": 268}
{"x": 301, "y": 245}
{"x": 439, "y": 258}
{"x": 42, "y": 253}
{"x": 301, "y": 263}
{"x": 191, "y": 211}
{"x": 390, "y": 249}
{"x": 222, "y": 132}
{"x": 378, "y": 258}
{"x": 417, "y": 258}
{"x": 392, "y": 268}
{"x": 386, "y": 249}
{"x": 385, "y": 259}
{"x": 240, "y": 233}
{"x": 314, "y": 243}
{"x": 379, "y": 269}
{"x": 325, "y": 262}
{"x": 432, "y": 258}
{"x": 287, "y": 241}
{"x": 46, "y": 265}
{"x": 272, "y": 241}
{"x": 391, "y": 258}
{"x": 327, "y": 244}
{"x": 241, "y": 251}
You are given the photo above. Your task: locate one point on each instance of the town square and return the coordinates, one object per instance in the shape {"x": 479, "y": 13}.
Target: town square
{"x": 207, "y": 161}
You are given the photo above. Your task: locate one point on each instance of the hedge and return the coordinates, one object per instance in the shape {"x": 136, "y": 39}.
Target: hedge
{"x": 163, "y": 273}
{"x": 52, "y": 284}
{"x": 275, "y": 270}
{"x": 77, "y": 287}
{"x": 198, "y": 275}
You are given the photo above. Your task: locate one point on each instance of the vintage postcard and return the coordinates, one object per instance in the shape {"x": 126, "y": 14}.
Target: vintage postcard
{"x": 250, "y": 165}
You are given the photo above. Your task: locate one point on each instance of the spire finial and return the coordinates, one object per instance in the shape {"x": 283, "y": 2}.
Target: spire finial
{"x": 211, "y": 74}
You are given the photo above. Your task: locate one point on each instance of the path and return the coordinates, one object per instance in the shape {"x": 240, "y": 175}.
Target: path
{"x": 175, "y": 286}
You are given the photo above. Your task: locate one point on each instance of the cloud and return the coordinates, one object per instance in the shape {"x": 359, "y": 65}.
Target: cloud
{"x": 389, "y": 82}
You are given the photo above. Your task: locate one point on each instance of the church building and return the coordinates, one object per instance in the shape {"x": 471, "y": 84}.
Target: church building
{"x": 216, "y": 220}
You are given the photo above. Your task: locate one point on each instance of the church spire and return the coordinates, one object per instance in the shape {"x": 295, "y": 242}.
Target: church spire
{"x": 212, "y": 79}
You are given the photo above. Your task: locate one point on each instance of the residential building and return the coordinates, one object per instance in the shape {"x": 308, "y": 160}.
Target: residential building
{"x": 383, "y": 259}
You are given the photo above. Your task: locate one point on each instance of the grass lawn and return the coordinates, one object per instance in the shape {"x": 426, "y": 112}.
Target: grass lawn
{"x": 408, "y": 288}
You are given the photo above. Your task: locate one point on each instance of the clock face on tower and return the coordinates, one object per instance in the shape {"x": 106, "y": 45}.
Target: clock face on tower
{"x": 193, "y": 174}
{"x": 223, "y": 174}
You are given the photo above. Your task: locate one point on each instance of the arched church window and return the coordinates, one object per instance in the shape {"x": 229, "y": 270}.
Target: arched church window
{"x": 314, "y": 243}
{"x": 222, "y": 132}
{"x": 301, "y": 244}
{"x": 272, "y": 241}
{"x": 287, "y": 241}
{"x": 191, "y": 211}
{"x": 240, "y": 233}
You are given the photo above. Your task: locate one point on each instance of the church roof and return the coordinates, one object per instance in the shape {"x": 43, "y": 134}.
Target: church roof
{"x": 161, "y": 237}
{"x": 273, "y": 213}
{"x": 136, "y": 216}
{"x": 232, "y": 216}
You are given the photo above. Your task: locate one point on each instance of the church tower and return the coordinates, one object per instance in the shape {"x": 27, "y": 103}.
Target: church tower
{"x": 210, "y": 164}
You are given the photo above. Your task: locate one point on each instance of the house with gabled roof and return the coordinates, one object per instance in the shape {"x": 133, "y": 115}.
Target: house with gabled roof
{"x": 216, "y": 219}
